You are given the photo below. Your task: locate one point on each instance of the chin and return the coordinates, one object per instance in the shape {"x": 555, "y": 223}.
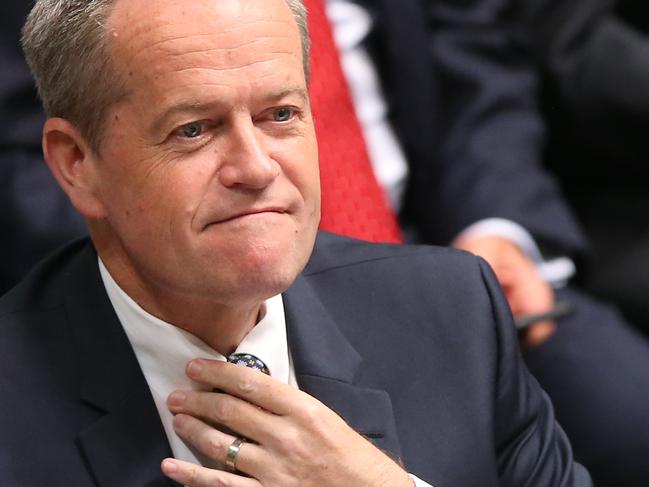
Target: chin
{"x": 273, "y": 269}
{"x": 274, "y": 264}
{"x": 258, "y": 284}
{"x": 257, "y": 265}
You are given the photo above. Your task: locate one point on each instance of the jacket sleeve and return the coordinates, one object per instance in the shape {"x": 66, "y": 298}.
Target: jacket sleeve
{"x": 532, "y": 449}
{"x": 489, "y": 130}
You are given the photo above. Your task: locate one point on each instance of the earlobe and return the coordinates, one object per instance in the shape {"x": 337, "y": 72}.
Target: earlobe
{"x": 72, "y": 163}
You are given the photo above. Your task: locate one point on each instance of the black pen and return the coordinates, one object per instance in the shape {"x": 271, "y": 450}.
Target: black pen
{"x": 559, "y": 310}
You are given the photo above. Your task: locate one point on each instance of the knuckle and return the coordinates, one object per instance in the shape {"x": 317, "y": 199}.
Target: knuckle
{"x": 289, "y": 441}
{"x": 224, "y": 409}
{"x": 189, "y": 428}
{"x": 311, "y": 412}
{"x": 221, "y": 482}
{"x": 192, "y": 475}
{"x": 290, "y": 476}
{"x": 214, "y": 446}
{"x": 247, "y": 383}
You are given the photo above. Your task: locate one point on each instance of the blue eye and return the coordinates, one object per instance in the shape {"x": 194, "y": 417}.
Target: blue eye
{"x": 283, "y": 114}
{"x": 192, "y": 130}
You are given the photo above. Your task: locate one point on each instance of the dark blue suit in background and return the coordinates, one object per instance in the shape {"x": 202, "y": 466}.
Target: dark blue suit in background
{"x": 413, "y": 346}
{"x": 35, "y": 215}
{"x": 593, "y": 56}
{"x": 461, "y": 99}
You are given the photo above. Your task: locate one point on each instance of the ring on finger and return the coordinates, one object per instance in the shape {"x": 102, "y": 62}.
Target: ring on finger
{"x": 233, "y": 452}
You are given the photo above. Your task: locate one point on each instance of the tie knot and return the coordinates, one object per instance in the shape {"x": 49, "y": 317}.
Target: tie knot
{"x": 248, "y": 360}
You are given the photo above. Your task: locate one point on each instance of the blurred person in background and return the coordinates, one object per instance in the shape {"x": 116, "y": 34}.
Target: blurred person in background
{"x": 35, "y": 215}
{"x": 594, "y": 57}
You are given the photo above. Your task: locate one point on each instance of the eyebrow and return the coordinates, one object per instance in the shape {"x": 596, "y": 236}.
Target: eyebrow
{"x": 300, "y": 92}
{"x": 195, "y": 106}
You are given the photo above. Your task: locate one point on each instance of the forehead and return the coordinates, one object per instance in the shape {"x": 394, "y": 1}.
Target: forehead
{"x": 202, "y": 40}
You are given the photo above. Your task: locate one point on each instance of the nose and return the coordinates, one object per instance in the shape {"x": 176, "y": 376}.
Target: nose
{"x": 247, "y": 163}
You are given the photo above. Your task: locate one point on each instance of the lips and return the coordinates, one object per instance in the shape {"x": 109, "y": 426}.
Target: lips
{"x": 249, "y": 212}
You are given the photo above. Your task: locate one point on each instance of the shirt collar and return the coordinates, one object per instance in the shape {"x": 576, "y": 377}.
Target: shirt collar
{"x": 165, "y": 350}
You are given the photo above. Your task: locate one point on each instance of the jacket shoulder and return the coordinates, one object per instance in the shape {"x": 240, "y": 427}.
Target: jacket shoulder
{"x": 335, "y": 252}
{"x": 42, "y": 288}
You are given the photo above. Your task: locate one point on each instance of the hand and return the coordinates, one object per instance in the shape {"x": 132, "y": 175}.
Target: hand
{"x": 526, "y": 291}
{"x": 294, "y": 439}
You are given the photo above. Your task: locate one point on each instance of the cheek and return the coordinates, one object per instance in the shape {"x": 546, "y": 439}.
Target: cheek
{"x": 308, "y": 181}
{"x": 300, "y": 165}
{"x": 148, "y": 206}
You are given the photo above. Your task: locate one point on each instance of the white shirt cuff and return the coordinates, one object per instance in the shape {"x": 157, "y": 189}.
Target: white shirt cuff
{"x": 556, "y": 271}
{"x": 418, "y": 482}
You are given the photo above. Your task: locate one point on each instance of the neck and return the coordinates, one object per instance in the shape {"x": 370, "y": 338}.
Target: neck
{"x": 221, "y": 326}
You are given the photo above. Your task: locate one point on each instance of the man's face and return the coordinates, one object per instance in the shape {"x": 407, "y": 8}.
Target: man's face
{"x": 208, "y": 170}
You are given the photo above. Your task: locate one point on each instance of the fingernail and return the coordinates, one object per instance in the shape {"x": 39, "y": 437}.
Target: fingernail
{"x": 169, "y": 467}
{"x": 176, "y": 398}
{"x": 194, "y": 368}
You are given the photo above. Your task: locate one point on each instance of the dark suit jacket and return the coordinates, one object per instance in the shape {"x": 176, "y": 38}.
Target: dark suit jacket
{"x": 413, "y": 346}
{"x": 462, "y": 99}
{"x": 593, "y": 56}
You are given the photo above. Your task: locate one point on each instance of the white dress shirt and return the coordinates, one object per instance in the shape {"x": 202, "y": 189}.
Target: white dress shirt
{"x": 163, "y": 351}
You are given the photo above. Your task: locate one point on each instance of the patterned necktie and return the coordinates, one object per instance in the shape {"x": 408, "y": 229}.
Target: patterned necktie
{"x": 248, "y": 360}
{"x": 353, "y": 204}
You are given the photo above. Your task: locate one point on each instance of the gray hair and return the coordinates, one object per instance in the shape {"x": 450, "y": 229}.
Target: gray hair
{"x": 66, "y": 46}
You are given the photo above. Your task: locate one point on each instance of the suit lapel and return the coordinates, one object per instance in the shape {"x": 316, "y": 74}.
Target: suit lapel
{"x": 125, "y": 446}
{"x": 326, "y": 364}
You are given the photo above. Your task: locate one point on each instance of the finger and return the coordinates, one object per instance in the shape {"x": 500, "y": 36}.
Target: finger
{"x": 245, "y": 383}
{"x": 193, "y": 475}
{"x": 225, "y": 410}
{"x": 213, "y": 443}
{"x": 537, "y": 334}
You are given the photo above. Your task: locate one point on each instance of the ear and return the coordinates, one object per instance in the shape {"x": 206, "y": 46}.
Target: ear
{"x": 73, "y": 164}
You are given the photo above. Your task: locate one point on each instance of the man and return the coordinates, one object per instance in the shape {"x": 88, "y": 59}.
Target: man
{"x": 183, "y": 134}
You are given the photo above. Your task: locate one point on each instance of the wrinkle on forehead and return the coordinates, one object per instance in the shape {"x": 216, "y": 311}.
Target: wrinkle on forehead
{"x": 217, "y": 46}
{"x": 251, "y": 43}
{"x": 226, "y": 58}
{"x": 229, "y": 69}
{"x": 218, "y": 26}
{"x": 194, "y": 71}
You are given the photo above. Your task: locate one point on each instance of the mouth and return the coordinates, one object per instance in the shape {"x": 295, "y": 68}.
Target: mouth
{"x": 249, "y": 213}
